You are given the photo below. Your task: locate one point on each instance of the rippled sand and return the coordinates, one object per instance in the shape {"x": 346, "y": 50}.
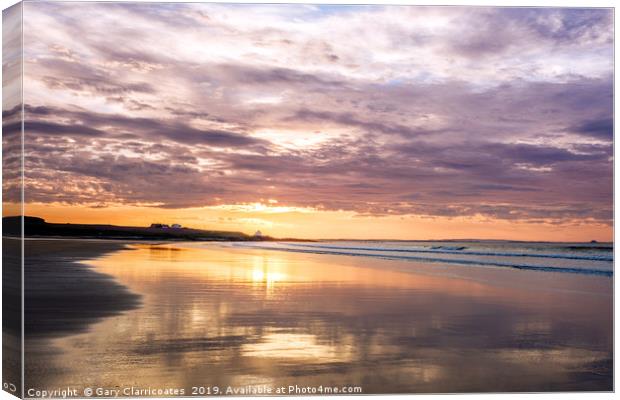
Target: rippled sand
{"x": 216, "y": 315}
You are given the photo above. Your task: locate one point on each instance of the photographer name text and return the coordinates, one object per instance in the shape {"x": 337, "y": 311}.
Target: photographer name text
{"x": 197, "y": 391}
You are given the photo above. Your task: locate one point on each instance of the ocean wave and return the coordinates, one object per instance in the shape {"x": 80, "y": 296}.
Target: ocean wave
{"x": 327, "y": 251}
{"x": 455, "y": 250}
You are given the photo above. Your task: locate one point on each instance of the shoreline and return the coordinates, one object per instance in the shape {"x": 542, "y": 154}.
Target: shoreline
{"x": 602, "y": 245}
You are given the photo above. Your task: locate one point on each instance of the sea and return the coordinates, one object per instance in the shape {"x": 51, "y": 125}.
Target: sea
{"x": 576, "y": 258}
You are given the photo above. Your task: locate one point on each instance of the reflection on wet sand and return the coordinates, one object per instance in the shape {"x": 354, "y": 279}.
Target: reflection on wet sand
{"x": 215, "y": 315}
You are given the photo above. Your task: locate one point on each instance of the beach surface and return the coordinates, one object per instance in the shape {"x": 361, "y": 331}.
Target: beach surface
{"x": 64, "y": 295}
{"x": 209, "y": 314}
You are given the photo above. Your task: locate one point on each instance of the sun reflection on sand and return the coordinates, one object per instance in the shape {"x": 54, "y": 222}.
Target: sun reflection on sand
{"x": 264, "y": 267}
{"x": 303, "y": 347}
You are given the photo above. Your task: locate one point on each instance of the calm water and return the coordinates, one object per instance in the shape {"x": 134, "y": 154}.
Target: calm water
{"x": 389, "y": 317}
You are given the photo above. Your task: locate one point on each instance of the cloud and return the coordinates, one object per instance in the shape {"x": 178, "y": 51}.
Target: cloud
{"x": 113, "y": 125}
{"x": 493, "y": 112}
{"x": 598, "y": 128}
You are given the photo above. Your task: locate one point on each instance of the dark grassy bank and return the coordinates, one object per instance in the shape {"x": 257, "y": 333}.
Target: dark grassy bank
{"x": 37, "y": 227}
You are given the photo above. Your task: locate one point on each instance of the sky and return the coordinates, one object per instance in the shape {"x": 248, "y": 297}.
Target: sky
{"x": 393, "y": 122}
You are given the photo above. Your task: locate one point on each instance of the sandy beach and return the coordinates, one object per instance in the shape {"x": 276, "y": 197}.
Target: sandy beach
{"x": 219, "y": 315}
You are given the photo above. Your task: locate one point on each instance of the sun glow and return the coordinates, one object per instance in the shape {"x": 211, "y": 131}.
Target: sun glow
{"x": 260, "y": 207}
{"x": 280, "y": 221}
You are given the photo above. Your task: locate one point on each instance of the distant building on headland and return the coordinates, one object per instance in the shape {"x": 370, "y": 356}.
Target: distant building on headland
{"x": 166, "y": 226}
{"x": 258, "y": 234}
{"x": 160, "y": 226}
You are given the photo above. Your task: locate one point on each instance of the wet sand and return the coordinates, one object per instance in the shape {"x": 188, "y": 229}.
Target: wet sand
{"x": 227, "y": 316}
{"x": 64, "y": 295}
